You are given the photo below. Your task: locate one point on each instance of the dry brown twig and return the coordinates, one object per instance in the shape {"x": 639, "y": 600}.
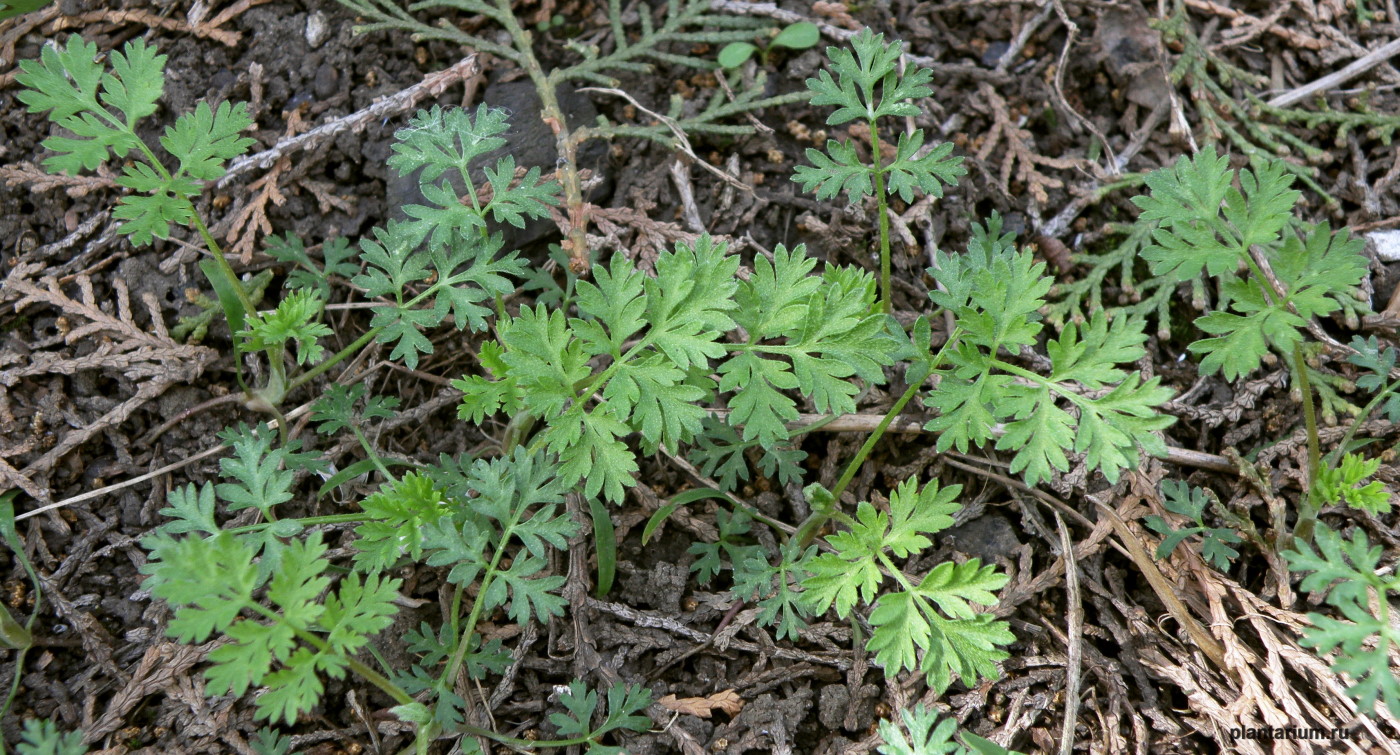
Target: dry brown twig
{"x": 1240, "y": 18}
{"x": 432, "y": 85}
{"x": 1074, "y": 632}
{"x": 839, "y": 13}
{"x": 152, "y": 360}
{"x": 14, "y": 29}
{"x": 150, "y": 20}
{"x": 1355, "y": 68}
{"x": 39, "y": 180}
{"x": 652, "y": 236}
{"x": 251, "y": 218}
{"x": 1020, "y": 156}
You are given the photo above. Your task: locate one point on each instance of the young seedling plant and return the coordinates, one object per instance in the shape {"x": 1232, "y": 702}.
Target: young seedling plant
{"x": 1275, "y": 274}
{"x": 802, "y": 35}
{"x": 868, "y": 87}
{"x": 695, "y": 355}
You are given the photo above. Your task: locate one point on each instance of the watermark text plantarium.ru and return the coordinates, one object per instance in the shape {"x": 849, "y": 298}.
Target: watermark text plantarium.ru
{"x": 1288, "y": 732}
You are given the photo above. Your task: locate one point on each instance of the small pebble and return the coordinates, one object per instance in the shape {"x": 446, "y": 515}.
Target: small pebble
{"x": 327, "y": 81}
{"x": 1387, "y": 244}
{"x": 316, "y": 29}
{"x": 992, "y": 56}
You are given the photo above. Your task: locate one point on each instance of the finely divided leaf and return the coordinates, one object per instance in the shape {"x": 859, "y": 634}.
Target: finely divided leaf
{"x": 257, "y": 473}
{"x": 440, "y": 139}
{"x": 136, "y": 81}
{"x": 1365, "y": 642}
{"x": 513, "y": 202}
{"x": 758, "y": 406}
{"x": 205, "y": 139}
{"x": 397, "y": 515}
{"x": 994, "y": 292}
{"x": 1185, "y": 199}
{"x": 927, "y": 173}
{"x": 191, "y": 511}
{"x": 66, "y": 81}
{"x": 837, "y": 170}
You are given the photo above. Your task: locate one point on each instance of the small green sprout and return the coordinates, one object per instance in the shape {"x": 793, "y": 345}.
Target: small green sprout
{"x": 802, "y": 35}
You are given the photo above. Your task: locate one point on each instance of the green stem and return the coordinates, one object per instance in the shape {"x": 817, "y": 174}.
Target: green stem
{"x": 859, "y": 459}
{"x": 807, "y": 531}
{"x": 1307, "y": 513}
{"x": 884, "y": 220}
{"x": 459, "y": 655}
{"x": 1335, "y": 456}
{"x": 374, "y": 457}
{"x": 1311, "y": 503}
{"x": 309, "y": 521}
{"x": 335, "y": 359}
{"x": 217, "y": 253}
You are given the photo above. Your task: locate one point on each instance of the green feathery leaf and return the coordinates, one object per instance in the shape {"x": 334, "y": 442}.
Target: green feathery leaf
{"x": 1348, "y": 571}
{"x": 934, "y": 616}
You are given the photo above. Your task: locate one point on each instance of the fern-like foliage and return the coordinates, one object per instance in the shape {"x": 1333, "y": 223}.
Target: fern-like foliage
{"x": 42, "y": 737}
{"x": 446, "y": 240}
{"x": 1344, "y": 482}
{"x": 868, "y": 86}
{"x": 288, "y": 645}
{"x": 624, "y": 702}
{"x": 259, "y": 476}
{"x": 934, "y": 617}
{"x": 102, "y": 108}
{"x": 1377, "y": 363}
{"x": 1204, "y": 223}
{"x": 1349, "y": 572}
{"x": 640, "y": 353}
{"x": 337, "y": 260}
{"x": 730, "y": 547}
{"x": 264, "y": 592}
{"x": 719, "y": 451}
{"x": 930, "y": 736}
{"x": 293, "y": 322}
{"x": 1190, "y": 502}
{"x": 995, "y": 293}
{"x": 775, "y": 587}
{"x": 517, "y": 498}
